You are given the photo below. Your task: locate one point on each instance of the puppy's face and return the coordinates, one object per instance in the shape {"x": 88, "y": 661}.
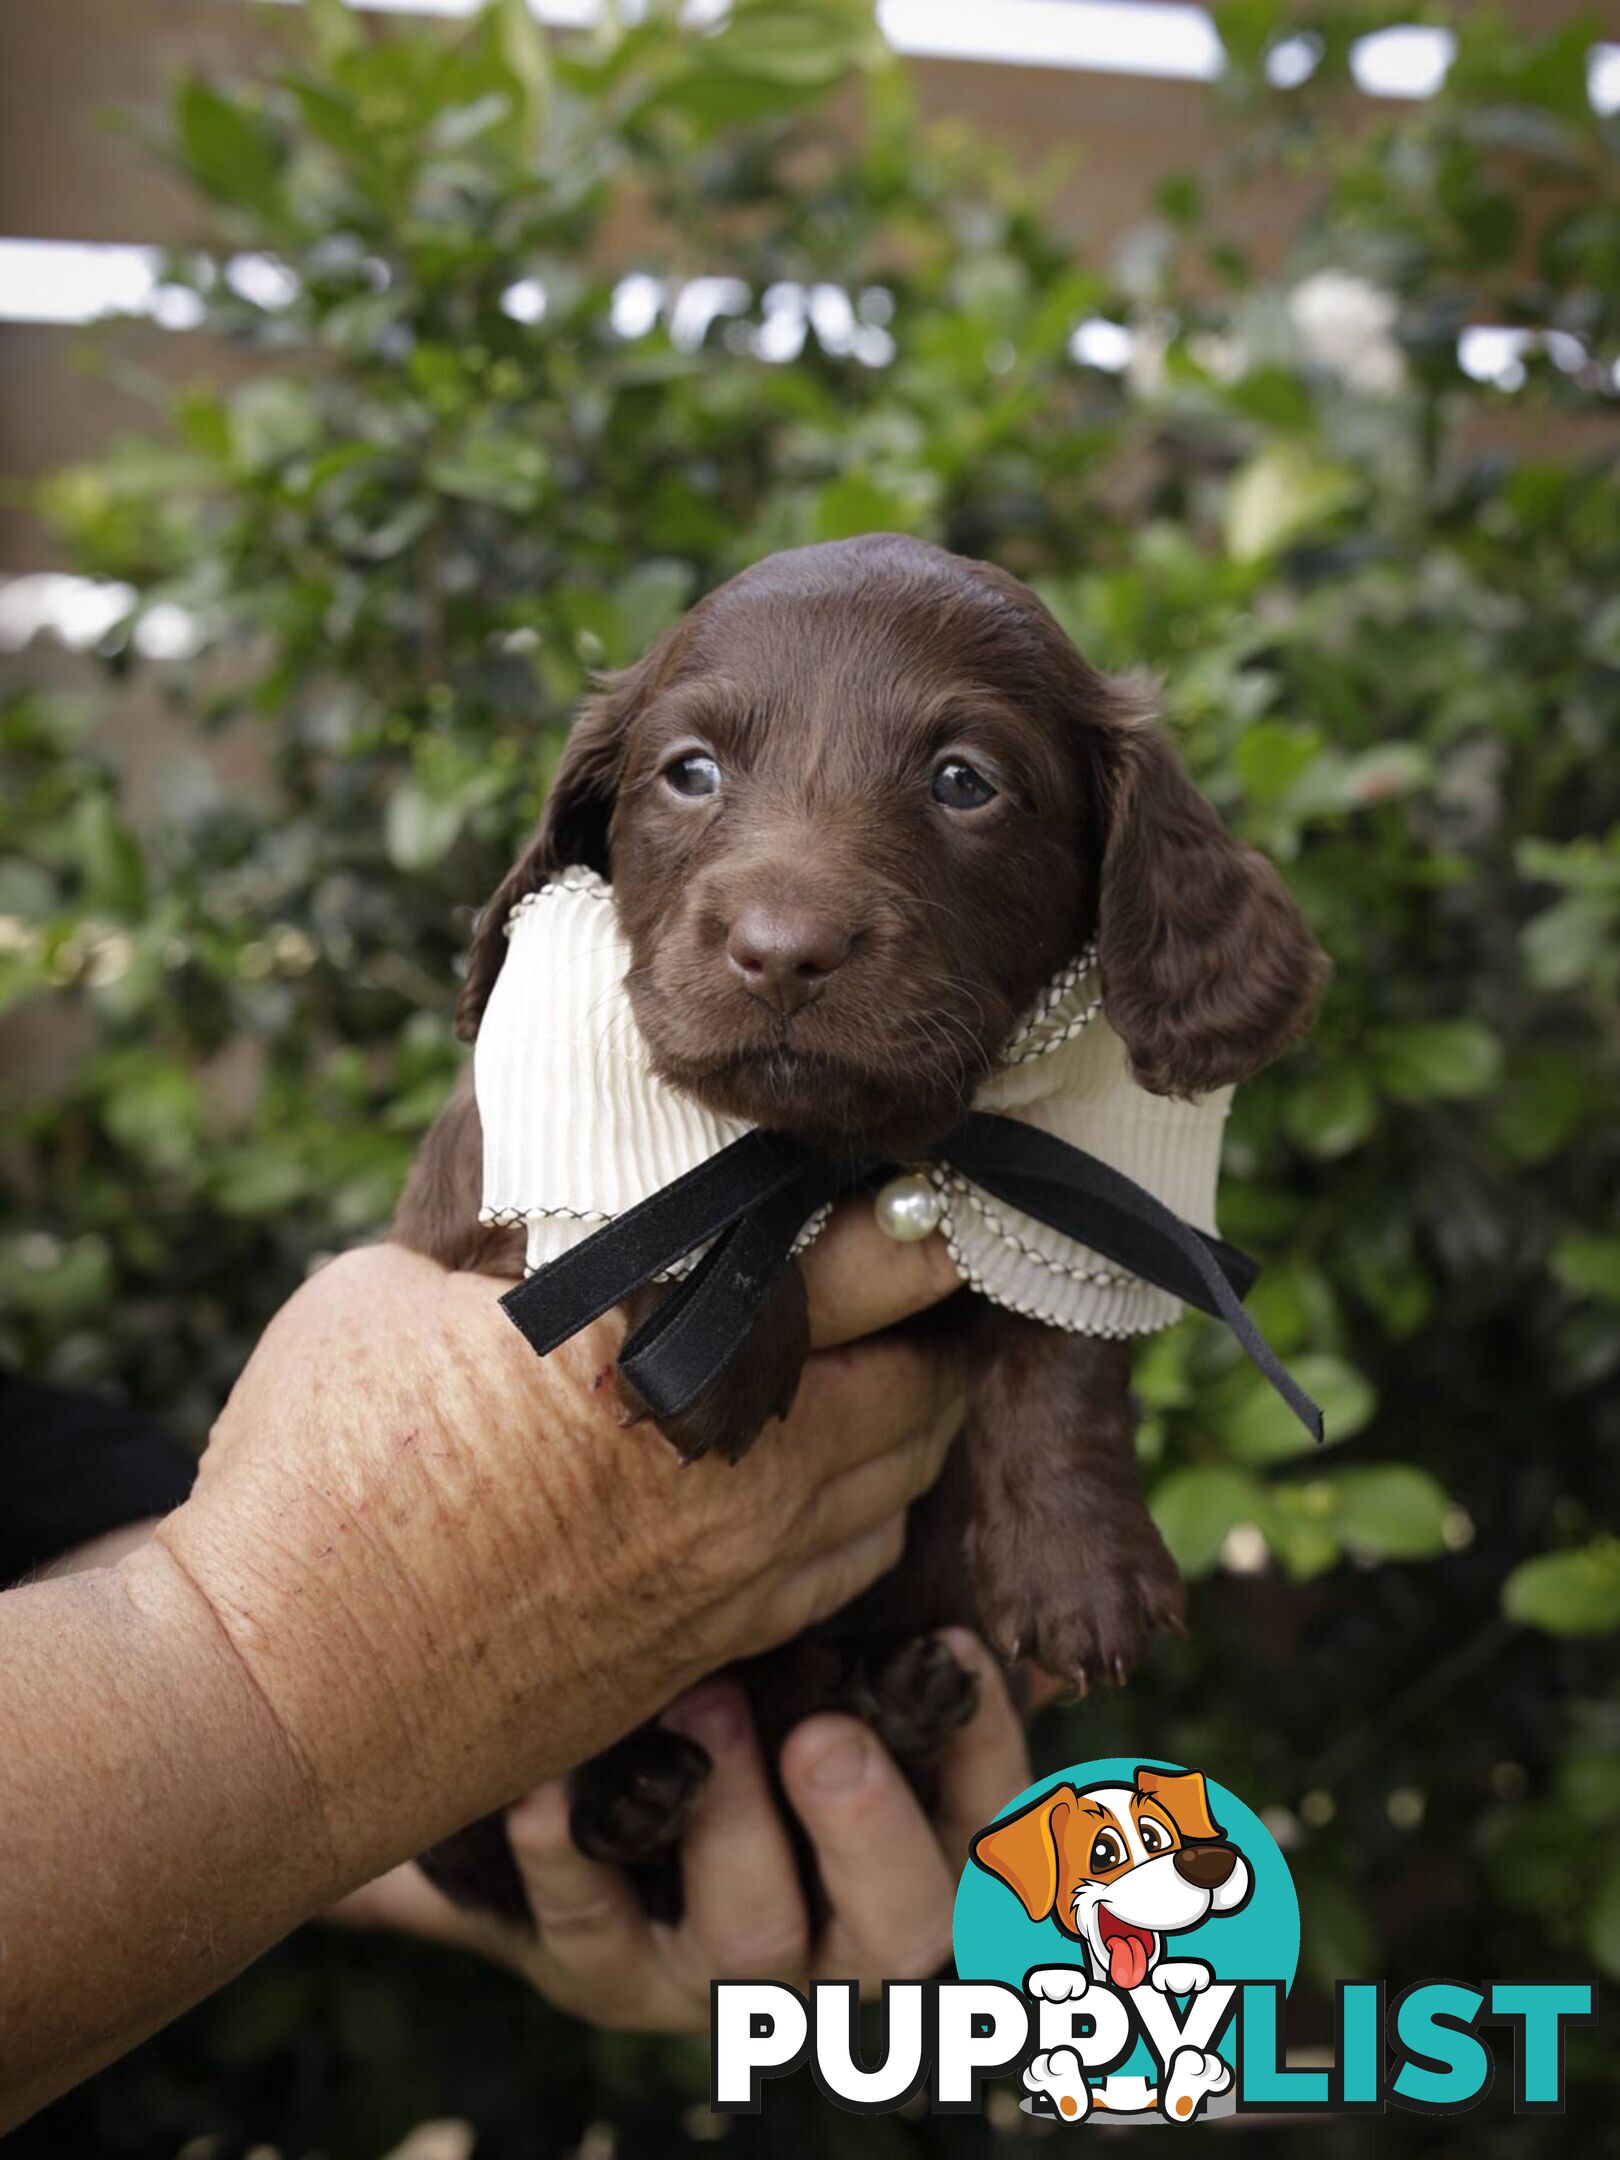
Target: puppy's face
{"x": 1120, "y": 1867}
{"x": 857, "y": 809}
{"x": 846, "y": 857}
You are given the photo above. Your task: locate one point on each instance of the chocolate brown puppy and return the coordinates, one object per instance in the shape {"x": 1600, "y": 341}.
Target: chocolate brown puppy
{"x": 858, "y": 808}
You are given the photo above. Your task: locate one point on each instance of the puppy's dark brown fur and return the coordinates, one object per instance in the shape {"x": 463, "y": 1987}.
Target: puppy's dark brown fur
{"x": 821, "y": 945}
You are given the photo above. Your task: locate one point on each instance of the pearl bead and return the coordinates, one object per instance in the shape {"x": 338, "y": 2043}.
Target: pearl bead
{"x": 908, "y": 1208}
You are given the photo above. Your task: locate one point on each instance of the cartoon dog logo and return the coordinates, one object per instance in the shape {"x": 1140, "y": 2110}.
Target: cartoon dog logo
{"x": 1119, "y": 1869}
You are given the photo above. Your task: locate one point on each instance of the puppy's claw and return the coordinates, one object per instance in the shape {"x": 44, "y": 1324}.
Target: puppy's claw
{"x": 1121, "y": 1672}
{"x": 687, "y": 1448}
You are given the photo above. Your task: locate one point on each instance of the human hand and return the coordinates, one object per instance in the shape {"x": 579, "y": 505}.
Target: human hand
{"x": 452, "y": 1572}
{"x": 889, "y": 1874}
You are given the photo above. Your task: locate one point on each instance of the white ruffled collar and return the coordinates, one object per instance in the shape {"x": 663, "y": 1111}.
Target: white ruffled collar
{"x": 578, "y": 1127}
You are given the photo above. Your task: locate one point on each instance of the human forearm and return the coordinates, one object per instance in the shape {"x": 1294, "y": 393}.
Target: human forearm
{"x": 158, "y": 1835}
{"x": 188, "y": 1773}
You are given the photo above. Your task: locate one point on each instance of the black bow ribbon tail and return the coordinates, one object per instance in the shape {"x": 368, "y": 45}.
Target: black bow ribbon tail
{"x": 750, "y": 1202}
{"x": 1098, "y": 1206}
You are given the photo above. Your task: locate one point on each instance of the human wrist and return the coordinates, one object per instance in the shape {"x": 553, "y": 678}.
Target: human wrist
{"x": 409, "y": 1611}
{"x": 140, "y": 1770}
{"x": 365, "y": 1668}
{"x": 168, "y": 1622}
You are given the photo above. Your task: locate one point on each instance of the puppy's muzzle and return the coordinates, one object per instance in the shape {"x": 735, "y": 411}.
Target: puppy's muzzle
{"x": 1206, "y": 1867}
{"x": 783, "y": 955}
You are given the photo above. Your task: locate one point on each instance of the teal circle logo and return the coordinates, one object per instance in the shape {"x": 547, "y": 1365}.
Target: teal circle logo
{"x": 1132, "y": 1887}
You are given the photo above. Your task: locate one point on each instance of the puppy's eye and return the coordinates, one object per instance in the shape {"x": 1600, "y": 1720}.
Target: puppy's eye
{"x": 694, "y": 776}
{"x": 1154, "y": 1836}
{"x": 958, "y": 787}
{"x": 1106, "y": 1852}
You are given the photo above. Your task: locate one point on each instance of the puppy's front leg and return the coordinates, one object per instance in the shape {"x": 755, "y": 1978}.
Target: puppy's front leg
{"x": 1067, "y": 1566}
{"x": 758, "y": 1385}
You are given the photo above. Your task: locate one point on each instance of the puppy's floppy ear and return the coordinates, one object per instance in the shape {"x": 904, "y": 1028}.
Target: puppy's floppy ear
{"x": 1022, "y": 1851}
{"x": 573, "y": 828}
{"x": 1208, "y": 969}
{"x": 1184, "y": 1796}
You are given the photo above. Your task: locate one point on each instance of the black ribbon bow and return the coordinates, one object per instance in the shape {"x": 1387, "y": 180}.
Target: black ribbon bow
{"x": 755, "y": 1196}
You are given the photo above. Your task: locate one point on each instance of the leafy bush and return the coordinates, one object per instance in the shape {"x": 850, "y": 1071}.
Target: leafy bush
{"x": 542, "y": 342}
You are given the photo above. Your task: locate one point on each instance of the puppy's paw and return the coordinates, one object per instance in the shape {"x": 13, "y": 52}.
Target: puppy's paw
{"x": 1181, "y": 1976}
{"x": 1082, "y": 1605}
{"x": 1058, "y": 2079}
{"x": 475, "y": 1868}
{"x": 634, "y": 1802}
{"x": 1058, "y": 1983}
{"x": 915, "y": 1698}
{"x": 1196, "y": 2075}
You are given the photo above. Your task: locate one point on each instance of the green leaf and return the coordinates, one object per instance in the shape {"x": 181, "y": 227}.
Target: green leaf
{"x": 1439, "y": 1061}
{"x": 1389, "y": 770}
{"x": 799, "y": 47}
{"x": 1543, "y": 1105}
{"x": 334, "y": 29}
{"x": 152, "y": 1106}
{"x": 649, "y": 599}
{"x": 1282, "y": 493}
{"x": 271, "y": 422}
{"x": 855, "y": 503}
{"x": 506, "y": 471}
{"x": 523, "y": 48}
{"x": 1293, "y": 1305}
{"x": 1331, "y": 1113}
{"x": 1566, "y": 943}
{"x": 229, "y": 151}
{"x": 262, "y": 1180}
{"x": 995, "y": 287}
{"x": 110, "y": 861}
{"x": 1391, "y": 1510}
{"x": 1272, "y": 756}
{"x": 415, "y": 1110}
{"x": 1568, "y": 1593}
{"x": 420, "y": 829}
{"x": 1159, "y": 1370}
{"x": 1585, "y": 865}
{"x": 1300, "y": 1529}
{"x": 1589, "y": 1785}
{"x": 1257, "y": 1426}
{"x": 1589, "y": 1267}
{"x": 1196, "y": 1507}
{"x": 56, "y": 1282}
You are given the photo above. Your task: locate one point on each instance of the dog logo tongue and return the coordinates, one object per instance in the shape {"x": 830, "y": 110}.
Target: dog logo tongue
{"x": 1129, "y": 1949}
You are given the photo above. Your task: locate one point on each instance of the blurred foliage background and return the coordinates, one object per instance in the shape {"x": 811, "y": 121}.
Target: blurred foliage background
{"x": 542, "y": 339}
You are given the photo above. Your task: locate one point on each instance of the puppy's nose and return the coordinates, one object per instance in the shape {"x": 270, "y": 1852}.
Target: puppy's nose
{"x": 784, "y": 955}
{"x": 1206, "y": 1867}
